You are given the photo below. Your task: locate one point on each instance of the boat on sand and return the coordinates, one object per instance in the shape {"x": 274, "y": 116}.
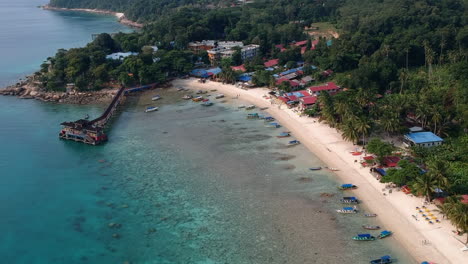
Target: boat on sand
{"x": 315, "y": 168}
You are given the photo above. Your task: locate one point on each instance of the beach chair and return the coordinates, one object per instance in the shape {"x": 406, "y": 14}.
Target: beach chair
{"x": 437, "y": 221}
{"x": 430, "y": 222}
{"x": 417, "y": 207}
{"x": 424, "y": 215}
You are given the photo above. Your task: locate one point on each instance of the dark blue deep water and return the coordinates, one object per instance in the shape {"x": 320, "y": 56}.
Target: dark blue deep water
{"x": 186, "y": 184}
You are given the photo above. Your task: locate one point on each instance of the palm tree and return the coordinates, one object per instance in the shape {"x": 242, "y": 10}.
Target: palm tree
{"x": 349, "y": 131}
{"x": 362, "y": 126}
{"x": 459, "y": 218}
{"x": 438, "y": 169}
{"x": 447, "y": 208}
{"x": 425, "y": 185}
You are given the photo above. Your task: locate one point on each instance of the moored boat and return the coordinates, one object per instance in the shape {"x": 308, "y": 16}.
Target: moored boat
{"x": 294, "y": 142}
{"x": 180, "y": 89}
{"x": 207, "y": 103}
{"x": 241, "y": 106}
{"x": 250, "y": 107}
{"x": 156, "y": 97}
{"x": 283, "y": 135}
{"x": 371, "y": 227}
{"x": 385, "y": 234}
{"x": 263, "y": 108}
{"x": 382, "y": 260}
{"x": 332, "y": 169}
{"x": 274, "y": 125}
{"x": 315, "y": 168}
{"x": 370, "y": 215}
{"x": 268, "y": 118}
{"x": 151, "y": 109}
{"x": 187, "y": 97}
{"x": 253, "y": 116}
{"x": 197, "y": 99}
{"x": 364, "y": 237}
{"x": 348, "y": 210}
{"x": 219, "y": 96}
{"x": 347, "y": 186}
{"x": 349, "y": 200}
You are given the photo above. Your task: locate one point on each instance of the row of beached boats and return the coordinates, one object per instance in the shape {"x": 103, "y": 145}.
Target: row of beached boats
{"x": 363, "y": 236}
{"x": 268, "y": 120}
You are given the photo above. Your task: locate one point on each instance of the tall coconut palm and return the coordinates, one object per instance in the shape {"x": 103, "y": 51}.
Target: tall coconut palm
{"x": 425, "y": 185}
{"x": 438, "y": 169}
{"x": 349, "y": 131}
{"x": 363, "y": 126}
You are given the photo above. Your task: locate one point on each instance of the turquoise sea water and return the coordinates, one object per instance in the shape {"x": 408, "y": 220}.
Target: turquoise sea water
{"x": 186, "y": 184}
{"x": 28, "y": 35}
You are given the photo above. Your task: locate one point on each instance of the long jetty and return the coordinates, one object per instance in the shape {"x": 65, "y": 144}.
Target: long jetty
{"x": 92, "y": 131}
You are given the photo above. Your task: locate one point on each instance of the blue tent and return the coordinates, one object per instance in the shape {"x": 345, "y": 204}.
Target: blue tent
{"x": 199, "y": 73}
{"x": 244, "y": 78}
{"x": 381, "y": 171}
{"x": 214, "y": 71}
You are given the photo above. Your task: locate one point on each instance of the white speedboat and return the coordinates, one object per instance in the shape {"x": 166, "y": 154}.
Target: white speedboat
{"x": 151, "y": 109}
{"x": 156, "y": 97}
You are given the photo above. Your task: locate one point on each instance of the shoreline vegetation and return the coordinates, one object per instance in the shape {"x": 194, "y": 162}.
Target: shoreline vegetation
{"x": 422, "y": 240}
{"x": 120, "y": 16}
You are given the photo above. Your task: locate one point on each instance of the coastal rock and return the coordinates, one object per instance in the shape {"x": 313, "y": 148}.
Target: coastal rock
{"x": 33, "y": 93}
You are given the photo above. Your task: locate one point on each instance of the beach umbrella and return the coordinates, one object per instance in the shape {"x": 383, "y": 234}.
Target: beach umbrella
{"x": 424, "y": 262}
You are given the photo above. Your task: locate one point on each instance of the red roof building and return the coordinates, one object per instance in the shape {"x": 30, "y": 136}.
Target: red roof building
{"x": 271, "y": 63}
{"x": 330, "y": 87}
{"x": 239, "y": 68}
{"x": 300, "y": 43}
{"x": 307, "y": 101}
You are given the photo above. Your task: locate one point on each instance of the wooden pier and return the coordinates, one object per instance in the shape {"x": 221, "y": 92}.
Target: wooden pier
{"x": 92, "y": 131}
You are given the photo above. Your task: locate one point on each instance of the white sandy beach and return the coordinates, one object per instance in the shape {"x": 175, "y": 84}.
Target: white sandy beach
{"x": 425, "y": 242}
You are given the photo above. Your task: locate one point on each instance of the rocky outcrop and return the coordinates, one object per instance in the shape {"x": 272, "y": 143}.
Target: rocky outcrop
{"x": 28, "y": 92}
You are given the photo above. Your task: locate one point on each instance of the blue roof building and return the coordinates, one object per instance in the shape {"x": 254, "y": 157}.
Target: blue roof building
{"x": 423, "y": 139}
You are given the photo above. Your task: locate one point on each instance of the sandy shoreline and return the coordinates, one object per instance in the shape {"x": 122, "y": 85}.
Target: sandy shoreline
{"x": 120, "y": 16}
{"x": 423, "y": 241}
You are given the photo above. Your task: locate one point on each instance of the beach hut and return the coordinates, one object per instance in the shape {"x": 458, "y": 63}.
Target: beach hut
{"x": 422, "y": 139}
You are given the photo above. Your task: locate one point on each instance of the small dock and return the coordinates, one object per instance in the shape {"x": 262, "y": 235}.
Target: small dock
{"x": 92, "y": 131}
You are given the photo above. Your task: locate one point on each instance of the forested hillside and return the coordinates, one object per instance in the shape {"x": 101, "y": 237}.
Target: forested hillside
{"x": 139, "y": 10}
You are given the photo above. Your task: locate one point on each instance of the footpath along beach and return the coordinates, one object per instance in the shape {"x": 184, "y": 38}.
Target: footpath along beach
{"x": 425, "y": 242}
